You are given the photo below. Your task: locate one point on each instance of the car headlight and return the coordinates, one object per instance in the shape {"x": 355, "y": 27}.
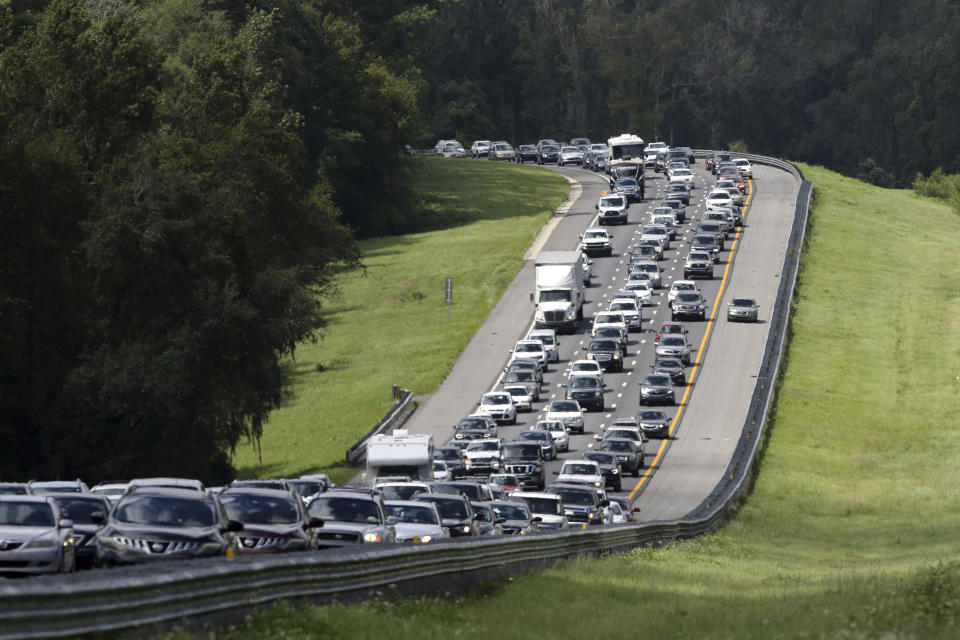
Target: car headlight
{"x": 425, "y": 539}
{"x": 597, "y": 394}
{"x": 372, "y": 537}
{"x": 615, "y": 471}
{"x": 598, "y": 484}
{"x": 589, "y": 356}
{"x": 112, "y": 543}
{"x": 571, "y": 315}
{"x": 590, "y": 516}
{"x": 539, "y": 315}
{"x": 616, "y": 356}
{"x": 465, "y": 528}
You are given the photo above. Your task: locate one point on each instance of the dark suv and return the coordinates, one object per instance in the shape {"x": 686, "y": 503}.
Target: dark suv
{"x": 525, "y": 461}
{"x": 154, "y": 523}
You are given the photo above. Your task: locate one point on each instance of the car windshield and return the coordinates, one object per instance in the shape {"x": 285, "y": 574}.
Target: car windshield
{"x": 565, "y": 407}
{"x": 555, "y": 295}
{"x": 449, "y": 508}
{"x": 611, "y": 202}
{"x": 576, "y": 497}
{"x": 81, "y": 510}
{"x": 657, "y": 380}
{"x": 499, "y": 398}
{"x": 306, "y": 487}
{"x": 588, "y": 366}
{"x": 484, "y": 445}
{"x": 609, "y": 317}
{"x": 623, "y": 306}
{"x": 446, "y": 454}
{"x": 673, "y": 341}
{"x": 540, "y": 436}
{"x": 26, "y": 514}
{"x": 549, "y": 425}
{"x": 521, "y": 451}
{"x": 688, "y": 297}
{"x": 603, "y": 345}
{"x": 603, "y": 332}
{"x": 511, "y": 512}
{"x": 476, "y": 423}
{"x": 743, "y": 302}
{"x": 617, "y": 445}
{"x": 548, "y": 149}
{"x": 528, "y": 347}
{"x": 401, "y": 491}
{"x": 257, "y": 509}
{"x": 595, "y": 234}
{"x": 578, "y": 469}
{"x": 517, "y": 392}
{"x": 684, "y": 286}
{"x": 583, "y": 382}
{"x": 668, "y": 364}
{"x": 167, "y": 511}
{"x": 413, "y": 514}
{"x": 545, "y": 338}
{"x": 651, "y": 415}
{"x": 345, "y": 509}
{"x": 546, "y": 506}
{"x": 601, "y": 458}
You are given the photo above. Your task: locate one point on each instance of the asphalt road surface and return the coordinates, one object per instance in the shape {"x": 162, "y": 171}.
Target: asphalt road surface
{"x": 708, "y": 418}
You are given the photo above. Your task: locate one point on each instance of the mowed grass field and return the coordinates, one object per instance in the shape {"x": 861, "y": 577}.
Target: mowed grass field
{"x": 851, "y": 530}
{"x": 390, "y": 324}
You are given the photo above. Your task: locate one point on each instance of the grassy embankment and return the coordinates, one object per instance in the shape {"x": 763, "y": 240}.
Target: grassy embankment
{"x": 851, "y": 529}
{"x": 390, "y": 324}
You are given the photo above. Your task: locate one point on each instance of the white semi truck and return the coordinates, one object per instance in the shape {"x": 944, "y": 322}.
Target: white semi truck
{"x": 398, "y": 456}
{"x": 558, "y": 290}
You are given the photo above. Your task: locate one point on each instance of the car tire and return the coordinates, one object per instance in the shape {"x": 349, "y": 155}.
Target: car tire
{"x": 636, "y": 472}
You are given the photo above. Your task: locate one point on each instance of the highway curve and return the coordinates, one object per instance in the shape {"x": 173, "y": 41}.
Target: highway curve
{"x": 682, "y": 470}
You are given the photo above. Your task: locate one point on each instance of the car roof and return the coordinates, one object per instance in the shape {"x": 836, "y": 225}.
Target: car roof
{"x": 257, "y": 491}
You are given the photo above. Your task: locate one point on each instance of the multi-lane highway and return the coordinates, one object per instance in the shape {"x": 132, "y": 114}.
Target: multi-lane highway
{"x": 711, "y": 409}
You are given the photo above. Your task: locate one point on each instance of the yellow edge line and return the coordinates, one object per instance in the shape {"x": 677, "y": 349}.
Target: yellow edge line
{"x": 696, "y": 366}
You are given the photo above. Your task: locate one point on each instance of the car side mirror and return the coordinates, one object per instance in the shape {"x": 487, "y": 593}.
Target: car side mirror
{"x": 234, "y": 526}
{"x": 536, "y": 519}
{"x": 597, "y": 207}
{"x": 556, "y": 473}
{"x": 315, "y": 522}
{"x": 98, "y": 517}
{"x": 604, "y": 503}
{"x": 589, "y": 261}
{"x": 635, "y": 510}
{"x": 393, "y": 520}
{"x": 66, "y": 523}
{"x": 499, "y": 521}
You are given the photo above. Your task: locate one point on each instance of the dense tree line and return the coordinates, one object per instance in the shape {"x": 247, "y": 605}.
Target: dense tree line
{"x": 838, "y": 82}
{"x": 178, "y": 180}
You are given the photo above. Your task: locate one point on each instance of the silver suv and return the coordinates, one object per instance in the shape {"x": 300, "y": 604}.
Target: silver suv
{"x": 352, "y": 516}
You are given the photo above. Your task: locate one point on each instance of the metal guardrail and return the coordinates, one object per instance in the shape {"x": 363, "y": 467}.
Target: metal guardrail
{"x": 124, "y": 599}
{"x": 404, "y": 397}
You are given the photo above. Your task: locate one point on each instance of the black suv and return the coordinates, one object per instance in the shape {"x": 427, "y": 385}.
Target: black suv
{"x": 606, "y": 353}
{"x": 629, "y": 454}
{"x": 525, "y": 461}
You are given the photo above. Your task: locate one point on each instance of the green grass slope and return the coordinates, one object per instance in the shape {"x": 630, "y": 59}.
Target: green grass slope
{"x": 851, "y": 530}
{"x": 390, "y": 324}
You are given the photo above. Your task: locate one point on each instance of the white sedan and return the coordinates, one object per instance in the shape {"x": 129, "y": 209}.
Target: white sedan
{"x": 630, "y": 310}
{"x": 586, "y": 368}
{"x": 643, "y": 290}
{"x": 746, "y": 170}
{"x": 581, "y": 472}
{"x": 568, "y": 412}
{"x": 609, "y": 319}
{"x": 686, "y": 175}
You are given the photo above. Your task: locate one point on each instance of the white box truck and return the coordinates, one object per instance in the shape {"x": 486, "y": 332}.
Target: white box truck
{"x": 398, "y": 456}
{"x": 558, "y": 290}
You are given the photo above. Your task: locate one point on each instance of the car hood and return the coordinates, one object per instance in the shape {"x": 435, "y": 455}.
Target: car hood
{"x": 409, "y": 529}
{"x": 272, "y": 530}
{"x": 162, "y": 532}
{"x": 579, "y": 478}
{"x": 348, "y": 527}
{"x": 481, "y": 455}
{"x": 23, "y": 534}
{"x": 557, "y": 415}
